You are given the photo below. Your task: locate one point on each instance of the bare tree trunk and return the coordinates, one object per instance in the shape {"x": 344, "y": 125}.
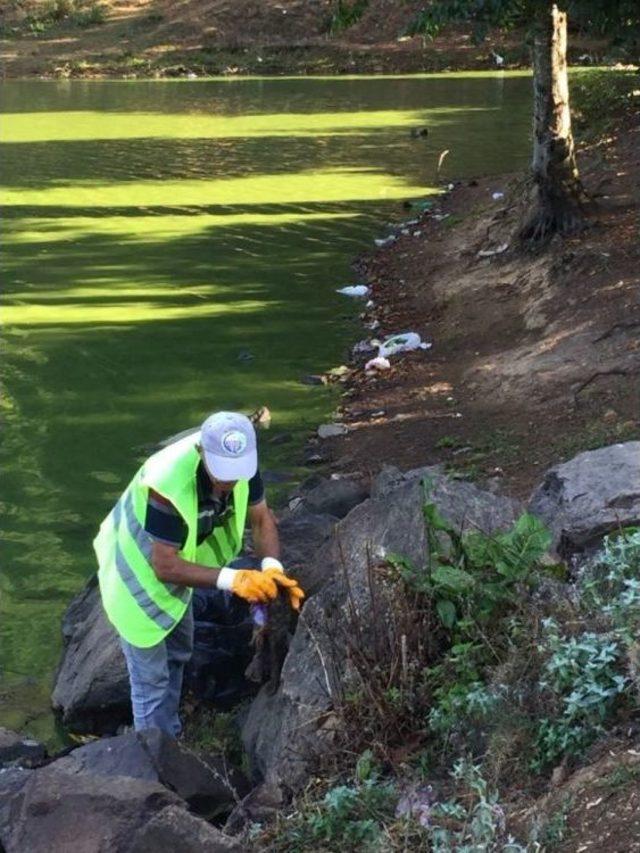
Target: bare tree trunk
{"x": 560, "y": 196}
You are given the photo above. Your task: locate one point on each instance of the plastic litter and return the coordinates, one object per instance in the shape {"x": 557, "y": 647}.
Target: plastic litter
{"x": 497, "y": 195}
{"x": 356, "y": 290}
{"x": 401, "y": 343}
{"x": 417, "y": 233}
{"x": 370, "y": 304}
{"x": 377, "y": 363}
{"x": 363, "y": 347}
{"x": 381, "y": 242}
{"x": 488, "y": 253}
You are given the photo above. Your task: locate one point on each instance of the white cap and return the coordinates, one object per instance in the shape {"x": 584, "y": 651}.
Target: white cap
{"x": 228, "y": 442}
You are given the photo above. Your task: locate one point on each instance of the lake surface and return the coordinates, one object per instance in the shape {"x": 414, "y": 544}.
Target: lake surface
{"x": 171, "y": 248}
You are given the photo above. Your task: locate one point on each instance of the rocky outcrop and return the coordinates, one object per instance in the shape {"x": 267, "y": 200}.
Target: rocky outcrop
{"x": 91, "y": 692}
{"x": 208, "y": 784}
{"x": 16, "y": 749}
{"x": 283, "y": 733}
{"x": 137, "y": 792}
{"x": 591, "y": 495}
{"x": 50, "y": 810}
{"x": 176, "y": 830}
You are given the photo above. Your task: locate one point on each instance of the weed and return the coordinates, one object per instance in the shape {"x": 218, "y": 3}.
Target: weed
{"x": 582, "y": 676}
{"x": 346, "y": 13}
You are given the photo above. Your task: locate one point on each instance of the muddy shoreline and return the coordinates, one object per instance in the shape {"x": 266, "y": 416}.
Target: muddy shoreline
{"x": 534, "y": 354}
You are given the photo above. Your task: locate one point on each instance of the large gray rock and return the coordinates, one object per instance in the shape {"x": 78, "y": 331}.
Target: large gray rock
{"x": 18, "y": 749}
{"x": 284, "y": 733}
{"x": 209, "y": 785}
{"x": 334, "y": 497}
{"x": 591, "y": 495}
{"x": 302, "y": 535}
{"x": 91, "y": 691}
{"x": 52, "y": 811}
{"x": 176, "y": 830}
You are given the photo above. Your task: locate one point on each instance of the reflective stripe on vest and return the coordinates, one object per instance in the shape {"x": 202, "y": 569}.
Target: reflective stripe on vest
{"x": 143, "y": 608}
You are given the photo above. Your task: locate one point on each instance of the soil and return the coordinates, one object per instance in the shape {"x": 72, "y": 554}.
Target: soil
{"x": 535, "y": 354}
{"x": 156, "y": 38}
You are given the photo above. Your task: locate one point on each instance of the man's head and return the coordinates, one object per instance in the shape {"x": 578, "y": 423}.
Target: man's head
{"x": 228, "y": 448}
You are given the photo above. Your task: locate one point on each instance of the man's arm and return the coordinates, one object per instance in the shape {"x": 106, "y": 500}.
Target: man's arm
{"x": 171, "y": 568}
{"x": 265, "y": 532}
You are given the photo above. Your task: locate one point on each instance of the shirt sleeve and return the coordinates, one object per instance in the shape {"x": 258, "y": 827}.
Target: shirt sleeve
{"x": 163, "y": 521}
{"x": 256, "y": 489}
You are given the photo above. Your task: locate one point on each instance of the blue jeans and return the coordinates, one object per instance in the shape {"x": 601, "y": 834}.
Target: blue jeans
{"x": 156, "y": 674}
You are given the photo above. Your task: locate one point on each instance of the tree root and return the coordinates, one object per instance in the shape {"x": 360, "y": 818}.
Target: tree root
{"x": 616, "y": 371}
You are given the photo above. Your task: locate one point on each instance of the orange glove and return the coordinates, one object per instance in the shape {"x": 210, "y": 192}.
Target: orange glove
{"x": 254, "y": 586}
{"x": 273, "y": 569}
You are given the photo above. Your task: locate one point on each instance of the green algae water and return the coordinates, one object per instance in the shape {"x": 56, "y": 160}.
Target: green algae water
{"x": 172, "y": 248}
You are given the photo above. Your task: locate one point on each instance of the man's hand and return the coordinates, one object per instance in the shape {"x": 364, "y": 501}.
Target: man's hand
{"x": 293, "y": 589}
{"x": 251, "y": 585}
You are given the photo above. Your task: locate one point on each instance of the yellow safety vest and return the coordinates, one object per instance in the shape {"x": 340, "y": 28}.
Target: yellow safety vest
{"x": 142, "y": 608}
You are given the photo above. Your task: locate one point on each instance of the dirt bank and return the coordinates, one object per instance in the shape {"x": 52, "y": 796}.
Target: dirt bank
{"x": 535, "y": 355}
{"x": 156, "y": 38}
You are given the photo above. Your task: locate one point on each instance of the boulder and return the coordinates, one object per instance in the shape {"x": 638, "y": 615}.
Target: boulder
{"x": 594, "y": 493}
{"x": 284, "y": 733}
{"x": 302, "y": 535}
{"x": 91, "y": 691}
{"x": 333, "y": 497}
{"x": 175, "y": 829}
{"x": 50, "y": 810}
{"x": 209, "y": 785}
{"x": 17, "y": 749}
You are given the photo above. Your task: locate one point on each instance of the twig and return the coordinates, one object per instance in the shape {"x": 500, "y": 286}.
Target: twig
{"x": 631, "y": 324}
{"x": 616, "y": 371}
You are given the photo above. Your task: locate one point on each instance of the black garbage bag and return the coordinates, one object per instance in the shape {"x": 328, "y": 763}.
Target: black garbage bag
{"x": 222, "y": 649}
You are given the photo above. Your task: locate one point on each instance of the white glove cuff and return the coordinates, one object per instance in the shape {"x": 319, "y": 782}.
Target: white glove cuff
{"x": 225, "y": 578}
{"x": 271, "y": 563}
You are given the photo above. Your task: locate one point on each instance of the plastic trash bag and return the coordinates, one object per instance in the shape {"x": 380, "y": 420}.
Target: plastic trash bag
{"x": 357, "y": 290}
{"x": 401, "y": 343}
{"x": 377, "y": 363}
{"x": 222, "y": 650}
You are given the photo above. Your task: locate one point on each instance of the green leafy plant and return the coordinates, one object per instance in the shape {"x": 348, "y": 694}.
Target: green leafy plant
{"x": 583, "y": 678}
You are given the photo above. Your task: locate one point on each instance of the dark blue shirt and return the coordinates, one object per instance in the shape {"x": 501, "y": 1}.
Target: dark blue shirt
{"x": 164, "y": 522}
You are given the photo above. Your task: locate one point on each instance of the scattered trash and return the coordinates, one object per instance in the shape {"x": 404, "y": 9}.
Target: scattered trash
{"x": 314, "y": 459}
{"x": 412, "y": 222}
{"x": 450, "y": 187}
{"x": 337, "y": 372}
{"x": 489, "y": 253}
{"x": 331, "y": 430}
{"x": 379, "y": 414}
{"x": 261, "y": 417}
{"x": 440, "y": 216}
{"x": 421, "y": 205}
{"x": 373, "y": 325}
{"x": 357, "y": 290}
{"x": 417, "y": 132}
{"x": 443, "y": 154}
{"x": 381, "y": 242}
{"x": 405, "y": 232}
{"x": 416, "y": 233}
{"x": 363, "y": 347}
{"x": 499, "y": 60}
{"x": 377, "y": 363}
{"x": 401, "y": 343}
{"x": 497, "y": 195}
{"x": 370, "y": 304}
{"x": 314, "y": 379}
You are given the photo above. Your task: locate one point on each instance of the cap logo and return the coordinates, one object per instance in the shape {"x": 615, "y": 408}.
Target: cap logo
{"x": 234, "y": 442}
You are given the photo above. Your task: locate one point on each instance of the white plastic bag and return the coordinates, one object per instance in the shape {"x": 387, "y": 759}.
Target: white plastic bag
{"x": 401, "y": 343}
{"x": 358, "y": 290}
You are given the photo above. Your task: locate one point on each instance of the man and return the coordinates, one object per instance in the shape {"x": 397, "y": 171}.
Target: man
{"x": 178, "y": 525}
